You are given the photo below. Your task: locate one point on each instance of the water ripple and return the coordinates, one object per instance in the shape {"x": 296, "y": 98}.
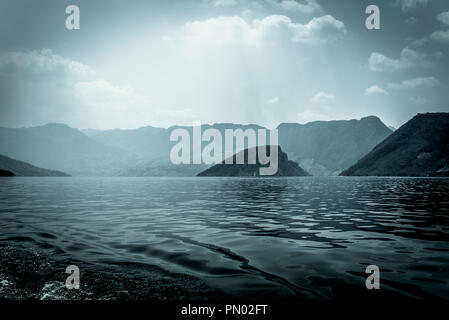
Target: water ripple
{"x": 306, "y": 237}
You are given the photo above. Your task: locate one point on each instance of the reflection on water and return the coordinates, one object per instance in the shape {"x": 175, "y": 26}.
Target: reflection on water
{"x": 253, "y": 237}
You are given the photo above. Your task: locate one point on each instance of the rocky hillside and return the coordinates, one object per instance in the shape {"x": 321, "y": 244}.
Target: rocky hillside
{"x": 20, "y": 168}
{"x": 285, "y": 167}
{"x": 418, "y": 148}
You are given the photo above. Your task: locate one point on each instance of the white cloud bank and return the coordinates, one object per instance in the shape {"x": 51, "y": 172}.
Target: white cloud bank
{"x": 77, "y": 76}
{"x": 224, "y": 3}
{"x": 307, "y": 6}
{"x": 227, "y": 30}
{"x": 423, "y": 82}
{"x": 44, "y": 61}
{"x": 322, "y": 97}
{"x": 408, "y": 58}
{"x": 273, "y": 100}
{"x": 442, "y": 36}
{"x": 375, "y": 90}
{"x": 58, "y": 84}
{"x": 444, "y": 17}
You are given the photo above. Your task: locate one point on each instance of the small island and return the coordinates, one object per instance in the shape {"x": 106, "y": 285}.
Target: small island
{"x": 286, "y": 168}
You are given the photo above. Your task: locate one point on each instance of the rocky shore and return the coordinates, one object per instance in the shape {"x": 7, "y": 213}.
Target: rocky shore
{"x": 26, "y": 274}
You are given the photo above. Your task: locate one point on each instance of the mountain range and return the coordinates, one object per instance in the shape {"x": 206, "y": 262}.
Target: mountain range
{"x": 326, "y": 148}
{"x": 62, "y": 148}
{"x": 321, "y": 148}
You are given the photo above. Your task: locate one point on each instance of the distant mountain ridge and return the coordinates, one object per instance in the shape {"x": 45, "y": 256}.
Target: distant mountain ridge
{"x": 155, "y": 146}
{"x": 329, "y": 147}
{"x": 418, "y": 148}
{"x": 321, "y": 148}
{"x": 62, "y": 148}
{"x": 20, "y": 168}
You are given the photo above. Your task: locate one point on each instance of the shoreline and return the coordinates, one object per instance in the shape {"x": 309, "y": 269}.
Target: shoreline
{"x": 26, "y": 274}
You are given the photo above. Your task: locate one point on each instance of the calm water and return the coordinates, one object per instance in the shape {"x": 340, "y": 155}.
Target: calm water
{"x": 252, "y": 237}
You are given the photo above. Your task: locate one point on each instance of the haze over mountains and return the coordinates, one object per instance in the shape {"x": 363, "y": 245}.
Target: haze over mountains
{"x": 150, "y": 147}
{"x": 325, "y": 148}
{"x": 59, "y": 147}
{"x": 321, "y": 148}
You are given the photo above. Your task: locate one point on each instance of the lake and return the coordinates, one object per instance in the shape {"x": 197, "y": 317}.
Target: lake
{"x": 272, "y": 238}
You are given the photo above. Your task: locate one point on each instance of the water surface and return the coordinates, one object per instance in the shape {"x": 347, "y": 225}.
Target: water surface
{"x": 271, "y": 238}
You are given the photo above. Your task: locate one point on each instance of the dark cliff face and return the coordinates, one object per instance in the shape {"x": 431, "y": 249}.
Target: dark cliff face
{"x": 329, "y": 147}
{"x": 418, "y": 148}
{"x": 285, "y": 167}
{"x": 10, "y": 167}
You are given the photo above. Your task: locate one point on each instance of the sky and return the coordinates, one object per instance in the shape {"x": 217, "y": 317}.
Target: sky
{"x": 161, "y": 63}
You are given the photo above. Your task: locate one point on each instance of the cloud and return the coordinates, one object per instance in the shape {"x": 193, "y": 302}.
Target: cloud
{"x": 274, "y": 100}
{"x": 408, "y": 58}
{"x": 44, "y": 61}
{"x": 444, "y": 17}
{"x": 318, "y": 30}
{"x": 237, "y": 65}
{"x": 411, "y": 20}
{"x": 64, "y": 89}
{"x": 419, "y": 43}
{"x": 232, "y": 30}
{"x": 308, "y": 6}
{"x": 407, "y": 5}
{"x": 424, "y": 82}
{"x": 322, "y": 97}
{"x": 76, "y": 76}
{"x": 375, "y": 90}
{"x": 224, "y": 3}
{"x": 442, "y": 36}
